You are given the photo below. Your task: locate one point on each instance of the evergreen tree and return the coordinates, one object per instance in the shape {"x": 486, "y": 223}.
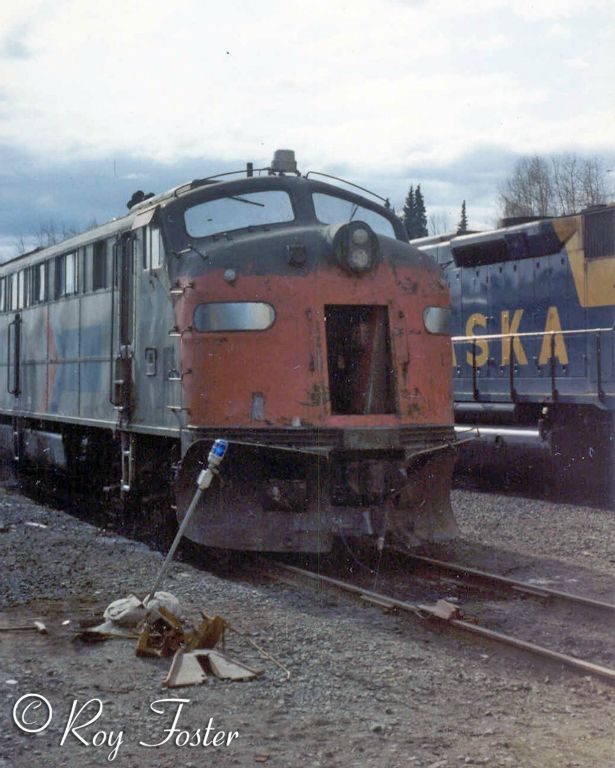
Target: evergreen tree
{"x": 414, "y": 215}
{"x": 408, "y": 214}
{"x": 462, "y": 227}
{"x": 420, "y": 214}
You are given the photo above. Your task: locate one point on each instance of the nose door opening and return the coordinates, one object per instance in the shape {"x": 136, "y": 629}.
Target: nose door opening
{"x": 359, "y": 359}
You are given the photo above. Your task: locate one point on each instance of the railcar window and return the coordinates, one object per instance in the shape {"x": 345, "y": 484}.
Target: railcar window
{"x": 58, "y": 276}
{"x": 38, "y": 283}
{"x": 2, "y": 294}
{"x": 337, "y": 210}
{"x": 15, "y": 291}
{"x": 250, "y": 209}
{"x": 85, "y": 267}
{"x": 9, "y": 293}
{"x": 99, "y": 265}
{"x": 65, "y": 280}
{"x": 71, "y": 273}
{"x": 24, "y": 288}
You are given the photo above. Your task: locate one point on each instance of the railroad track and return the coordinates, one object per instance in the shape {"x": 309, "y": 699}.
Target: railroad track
{"x": 471, "y": 576}
{"x": 447, "y": 615}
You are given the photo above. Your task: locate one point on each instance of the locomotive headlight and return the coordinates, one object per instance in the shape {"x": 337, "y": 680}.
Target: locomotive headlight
{"x": 359, "y": 236}
{"x": 359, "y": 259}
{"x": 356, "y": 247}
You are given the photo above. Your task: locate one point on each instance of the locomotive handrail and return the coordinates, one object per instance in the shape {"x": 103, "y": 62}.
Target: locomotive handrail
{"x": 552, "y": 357}
{"x": 527, "y": 334}
{"x": 112, "y": 330}
{"x": 553, "y": 366}
{"x": 511, "y": 369}
{"x": 196, "y": 183}
{"x": 599, "y": 367}
{"x": 15, "y": 390}
{"x": 475, "y": 392}
{"x": 8, "y": 358}
{"x": 385, "y": 200}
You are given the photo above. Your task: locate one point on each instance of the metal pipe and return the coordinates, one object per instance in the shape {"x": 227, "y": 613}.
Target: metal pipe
{"x": 204, "y": 479}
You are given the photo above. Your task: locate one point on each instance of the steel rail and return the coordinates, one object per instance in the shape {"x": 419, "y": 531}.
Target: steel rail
{"x": 427, "y": 611}
{"x": 513, "y": 584}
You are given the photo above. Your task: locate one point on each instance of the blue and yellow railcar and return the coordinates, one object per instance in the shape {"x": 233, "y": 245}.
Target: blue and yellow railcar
{"x": 533, "y": 345}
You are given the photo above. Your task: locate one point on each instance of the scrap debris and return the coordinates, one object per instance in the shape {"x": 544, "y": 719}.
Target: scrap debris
{"x": 130, "y": 611}
{"x": 161, "y": 632}
{"x": 442, "y": 609}
{"x": 191, "y": 668}
{"x": 36, "y": 625}
{"x": 105, "y": 631}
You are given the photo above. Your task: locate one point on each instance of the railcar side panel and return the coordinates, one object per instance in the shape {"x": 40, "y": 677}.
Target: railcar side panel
{"x": 33, "y": 360}
{"x": 94, "y": 349}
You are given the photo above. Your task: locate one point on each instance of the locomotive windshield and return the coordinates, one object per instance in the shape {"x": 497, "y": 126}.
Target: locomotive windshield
{"x": 247, "y": 209}
{"x": 331, "y": 209}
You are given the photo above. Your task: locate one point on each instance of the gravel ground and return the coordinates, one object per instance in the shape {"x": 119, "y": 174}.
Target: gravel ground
{"x": 366, "y": 688}
{"x": 575, "y": 535}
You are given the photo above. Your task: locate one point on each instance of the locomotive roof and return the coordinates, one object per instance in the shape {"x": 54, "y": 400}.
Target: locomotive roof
{"x": 536, "y": 237}
{"x": 530, "y": 226}
{"x": 196, "y": 188}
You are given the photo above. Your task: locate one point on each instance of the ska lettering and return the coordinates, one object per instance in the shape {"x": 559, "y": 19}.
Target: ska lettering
{"x": 510, "y": 325}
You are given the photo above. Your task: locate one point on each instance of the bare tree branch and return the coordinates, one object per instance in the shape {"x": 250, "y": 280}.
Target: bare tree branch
{"x": 439, "y": 223}
{"x": 562, "y": 185}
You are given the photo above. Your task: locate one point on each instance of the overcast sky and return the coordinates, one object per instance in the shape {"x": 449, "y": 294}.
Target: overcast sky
{"x": 100, "y": 99}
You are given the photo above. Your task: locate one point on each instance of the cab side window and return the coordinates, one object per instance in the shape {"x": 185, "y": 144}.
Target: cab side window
{"x": 153, "y": 254}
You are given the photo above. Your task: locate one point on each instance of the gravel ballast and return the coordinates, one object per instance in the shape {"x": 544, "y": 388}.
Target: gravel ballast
{"x": 366, "y": 688}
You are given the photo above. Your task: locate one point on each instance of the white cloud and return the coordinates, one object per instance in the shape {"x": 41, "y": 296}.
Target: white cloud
{"x": 559, "y": 30}
{"x": 578, "y": 62}
{"x": 371, "y": 85}
{"x": 532, "y": 10}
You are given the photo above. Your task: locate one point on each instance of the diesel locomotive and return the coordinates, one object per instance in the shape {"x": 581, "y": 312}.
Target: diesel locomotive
{"x": 533, "y": 348}
{"x": 282, "y": 312}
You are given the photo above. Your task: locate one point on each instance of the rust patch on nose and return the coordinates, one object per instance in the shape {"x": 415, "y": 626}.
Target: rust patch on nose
{"x": 318, "y": 395}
